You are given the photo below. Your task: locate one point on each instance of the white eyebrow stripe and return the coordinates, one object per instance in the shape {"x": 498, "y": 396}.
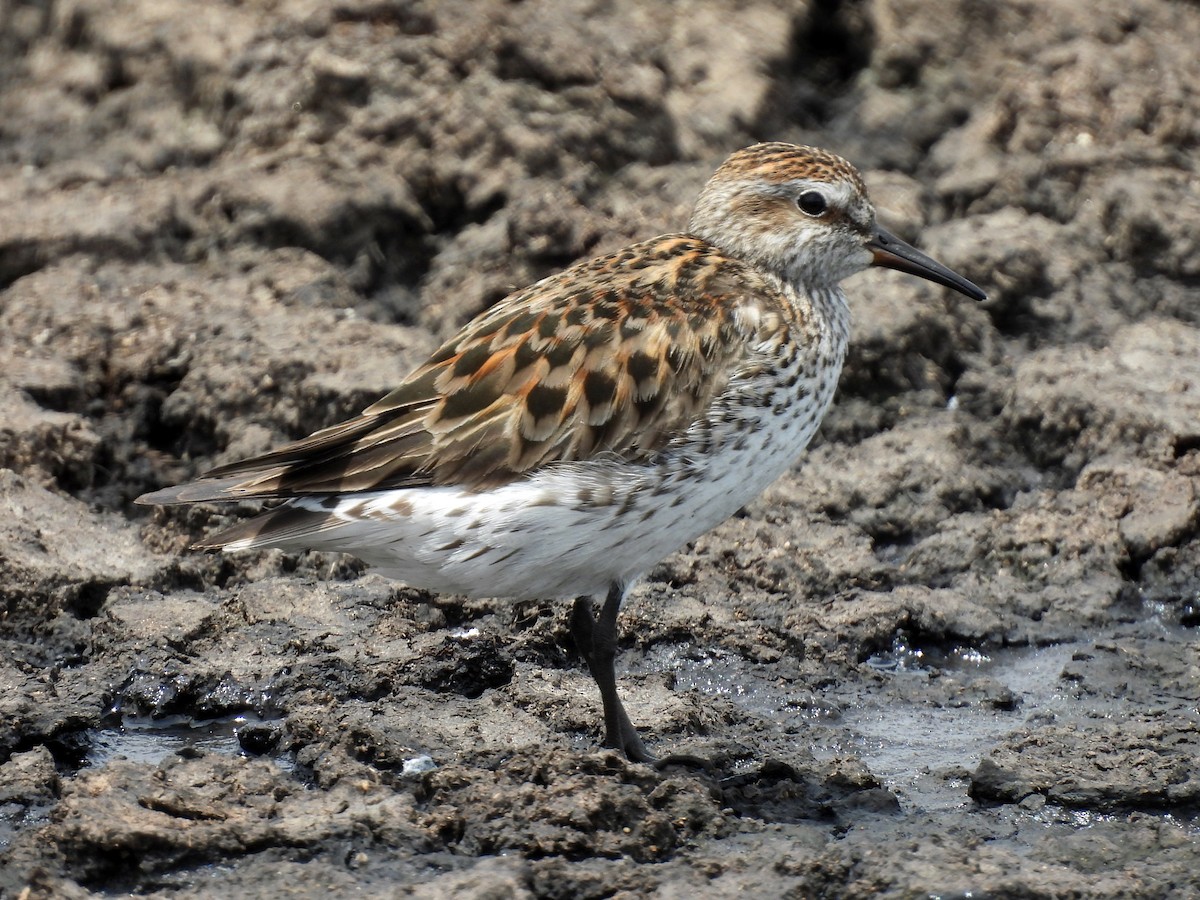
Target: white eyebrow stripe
{"x": 841, "y": 196}
{"x": 839, "y": 193}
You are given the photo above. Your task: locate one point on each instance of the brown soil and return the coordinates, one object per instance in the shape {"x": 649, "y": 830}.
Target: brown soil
{"x": 953, "y": 654}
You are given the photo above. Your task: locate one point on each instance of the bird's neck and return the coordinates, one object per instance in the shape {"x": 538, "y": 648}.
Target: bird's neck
{"x": 830, "y": 306}
{"x": 823, "y": 305}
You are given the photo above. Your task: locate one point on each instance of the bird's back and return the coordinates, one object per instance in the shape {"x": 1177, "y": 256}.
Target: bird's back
{"x": 617, "y": 356}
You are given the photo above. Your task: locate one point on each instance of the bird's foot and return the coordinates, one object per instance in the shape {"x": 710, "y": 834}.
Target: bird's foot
{"x": 629, "y": 742}
{"x": 687, "y": 761}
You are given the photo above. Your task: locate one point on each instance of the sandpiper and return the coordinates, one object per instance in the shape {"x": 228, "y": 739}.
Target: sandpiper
{"x": 580, "y": 430}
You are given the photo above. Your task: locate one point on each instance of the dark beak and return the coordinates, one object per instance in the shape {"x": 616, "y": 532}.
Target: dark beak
{"x": 892, "y": 253}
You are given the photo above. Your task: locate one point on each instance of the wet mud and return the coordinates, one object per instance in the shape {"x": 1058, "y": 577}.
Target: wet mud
{"x": 953, "y": 653}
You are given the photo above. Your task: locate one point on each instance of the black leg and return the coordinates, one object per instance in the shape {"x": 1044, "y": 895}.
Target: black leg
{"x": 596, "y": 639}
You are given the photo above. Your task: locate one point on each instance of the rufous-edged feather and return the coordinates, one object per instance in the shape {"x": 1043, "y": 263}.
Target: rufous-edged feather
{"x": 618, "y": 355}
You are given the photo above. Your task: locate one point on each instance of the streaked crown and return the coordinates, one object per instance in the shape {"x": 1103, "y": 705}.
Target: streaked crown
{"x": 781, "y": 163}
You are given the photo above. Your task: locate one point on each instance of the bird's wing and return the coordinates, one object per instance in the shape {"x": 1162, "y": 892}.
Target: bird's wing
{"x": 616, "y": 355}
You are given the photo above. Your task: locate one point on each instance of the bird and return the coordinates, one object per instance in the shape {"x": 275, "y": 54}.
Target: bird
{"x": 580, "y": 430}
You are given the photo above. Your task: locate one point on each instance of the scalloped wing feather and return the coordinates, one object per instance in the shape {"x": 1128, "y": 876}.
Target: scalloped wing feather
{"x": 617, "y": 355}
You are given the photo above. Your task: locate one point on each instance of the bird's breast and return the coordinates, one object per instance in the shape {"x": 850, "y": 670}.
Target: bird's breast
{"x": 754, "y": 431}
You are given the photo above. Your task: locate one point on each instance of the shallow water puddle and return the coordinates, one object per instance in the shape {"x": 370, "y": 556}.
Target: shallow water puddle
{"x": 150, "y": 741}
{"x": 917, "y": 749}
{"x": 919, "y": 737}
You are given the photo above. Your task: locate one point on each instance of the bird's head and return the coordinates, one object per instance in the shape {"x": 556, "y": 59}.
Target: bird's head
{"x": 804, "y": 214}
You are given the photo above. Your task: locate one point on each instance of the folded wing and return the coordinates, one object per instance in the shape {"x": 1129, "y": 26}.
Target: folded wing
{"x": 617, "y": 355}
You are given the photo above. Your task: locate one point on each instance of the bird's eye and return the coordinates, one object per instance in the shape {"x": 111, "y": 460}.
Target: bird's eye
{"x": 812, "y": 203}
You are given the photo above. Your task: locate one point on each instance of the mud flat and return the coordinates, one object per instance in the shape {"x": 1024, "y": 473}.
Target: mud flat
{"x": 953, "y": 653}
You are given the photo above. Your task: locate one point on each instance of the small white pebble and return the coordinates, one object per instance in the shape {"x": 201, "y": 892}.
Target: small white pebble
{"x": 418, "y": 765}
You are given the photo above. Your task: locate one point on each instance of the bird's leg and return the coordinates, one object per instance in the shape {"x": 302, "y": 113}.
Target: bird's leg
{"x": 596, "y": 639}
